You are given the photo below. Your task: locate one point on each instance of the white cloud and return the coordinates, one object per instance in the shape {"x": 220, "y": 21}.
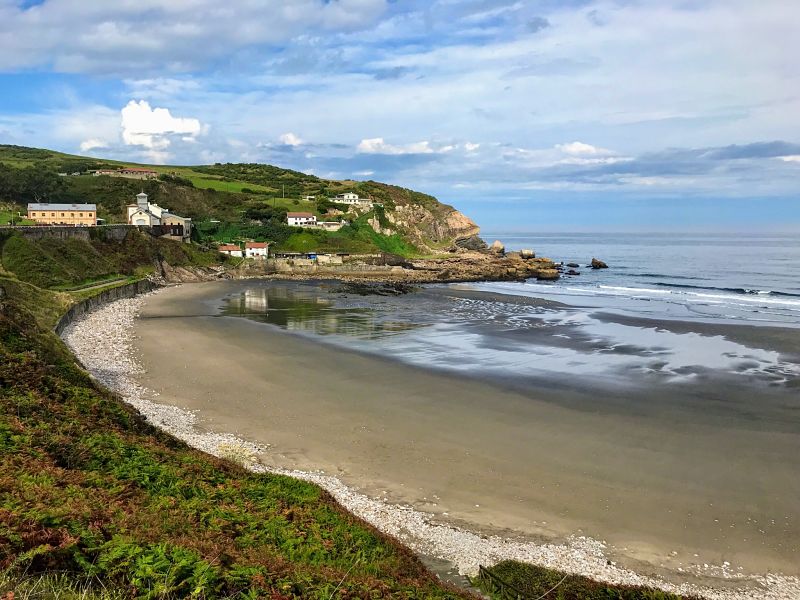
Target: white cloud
{"x": 581, "y": 149}
{"x": 153, "y": 127}
{"x": 92, "y": 144}
{"x": 791, "y": 158}
{"x": 470, "y": 147}
{"x": 379, "y": 146}
{"x": 290, "y": 139}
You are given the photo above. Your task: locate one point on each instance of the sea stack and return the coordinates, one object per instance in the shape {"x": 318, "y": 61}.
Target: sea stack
{"x": 598, "y": 264}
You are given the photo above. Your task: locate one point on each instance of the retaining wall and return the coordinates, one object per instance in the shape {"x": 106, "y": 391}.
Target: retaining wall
{"x": 107, "y": 232}
{"x": 128, "y": 290}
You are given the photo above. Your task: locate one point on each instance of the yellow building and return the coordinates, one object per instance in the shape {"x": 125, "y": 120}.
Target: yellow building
{"x": 77, "y": 215}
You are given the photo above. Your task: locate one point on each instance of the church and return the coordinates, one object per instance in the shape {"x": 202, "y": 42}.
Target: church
{"x": 145, "y": 213}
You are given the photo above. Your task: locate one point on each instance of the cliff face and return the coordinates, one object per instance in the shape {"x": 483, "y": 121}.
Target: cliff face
{"x": 431, "y": 229}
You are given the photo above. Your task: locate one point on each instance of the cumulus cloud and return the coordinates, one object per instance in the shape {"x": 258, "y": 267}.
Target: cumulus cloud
{"x": 581, "y": 149}
{"x": 291, "y": 139}
{"x": 379, "y": 146}
{"x": 92, "y": 144}
{"x": 154, "y": 129}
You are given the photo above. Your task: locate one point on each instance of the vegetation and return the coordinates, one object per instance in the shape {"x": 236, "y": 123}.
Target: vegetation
{"x": 93, "y": 493}
{"x": 510, "y": 580}
{"x": 71, "y": 263}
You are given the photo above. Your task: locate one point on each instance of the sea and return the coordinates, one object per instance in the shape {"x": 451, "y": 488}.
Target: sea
{"x": 714, "y": 277}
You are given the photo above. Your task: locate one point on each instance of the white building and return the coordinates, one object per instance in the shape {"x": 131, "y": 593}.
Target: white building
{"x": 231, "y": 250}
{"x": 256, "y": 249}
{"x": 301, "y": 219}
{"x": 145, "y": 213}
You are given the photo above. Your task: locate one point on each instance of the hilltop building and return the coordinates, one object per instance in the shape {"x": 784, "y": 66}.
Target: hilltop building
{"x": 148, "y": 214}
{"x": 351, "y": 199}
{"x": 76, "y": 215}
{"x": 301, "y": 219}
{"x": 128, "y": 173}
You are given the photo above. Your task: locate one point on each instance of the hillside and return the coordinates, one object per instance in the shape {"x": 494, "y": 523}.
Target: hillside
{"x": 241, "y": 201}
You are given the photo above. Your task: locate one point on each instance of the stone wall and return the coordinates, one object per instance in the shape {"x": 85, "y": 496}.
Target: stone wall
{"x": 108, "y": 232}
{"x": 86, "y": 306}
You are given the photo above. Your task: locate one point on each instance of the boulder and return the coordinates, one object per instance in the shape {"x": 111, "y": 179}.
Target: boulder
{"x": 573, "y": 272}
{"x": 527, "y": 253}
{"x": 472, "y": 242}
{"x": 573, "y": 265}
{"x": 497, "y": 247}
{"x": 598, "y": 264}
{"x": 548, "y": 274}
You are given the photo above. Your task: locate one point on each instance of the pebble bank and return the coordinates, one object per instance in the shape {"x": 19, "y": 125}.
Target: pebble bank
{"x": 101, "y": 340}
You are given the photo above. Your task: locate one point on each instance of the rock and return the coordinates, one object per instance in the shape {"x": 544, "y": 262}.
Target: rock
{"x": 573, "y": 272}
{"x": 527, "y": 253}
{"x": 598, "y": 264}
{"x": 547, "y": 274}
{"x": 573, "y": 265}
{"x": 497, "y": 247}
{"x": 514, "y": 255}
{"x": 472, "y": 242}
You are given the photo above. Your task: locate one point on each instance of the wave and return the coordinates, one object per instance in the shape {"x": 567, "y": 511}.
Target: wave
{"x": 730, "y": 290}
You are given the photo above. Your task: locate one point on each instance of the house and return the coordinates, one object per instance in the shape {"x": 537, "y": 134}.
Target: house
{"x": 308, "y": 198}
{"x": 301, "y": 219}
{"x": 128, "y": 173}
{"x": 147, "y": 214}
{"x": 351, "y": 199}
{"x": 76, "y": 215}
{"x": 256, "y": 249}
{"x": 231, "y": 250}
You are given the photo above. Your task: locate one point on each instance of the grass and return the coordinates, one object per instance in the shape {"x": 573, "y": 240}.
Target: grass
{"x": 510, "y": 579}
{"x": 91, "y": 491}
{"x": 6, "y": 217}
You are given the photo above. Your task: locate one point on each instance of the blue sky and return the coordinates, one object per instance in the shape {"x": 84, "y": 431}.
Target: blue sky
{"x": 567, "y": 115}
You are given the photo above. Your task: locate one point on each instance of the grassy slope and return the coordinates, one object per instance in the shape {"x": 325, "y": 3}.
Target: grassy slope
{"x": 71, "y": 263}
{"x": 90, "y": 489}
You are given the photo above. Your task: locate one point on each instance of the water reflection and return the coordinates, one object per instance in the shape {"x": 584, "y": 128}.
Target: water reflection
{"x": 302, "y": 309}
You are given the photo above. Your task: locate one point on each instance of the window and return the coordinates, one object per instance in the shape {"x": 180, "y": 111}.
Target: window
{"x": 80, "y": 214}
{"x": 33, "y": 214}
{"x": 52, "y": 214}
{"x": 62, "y": 214}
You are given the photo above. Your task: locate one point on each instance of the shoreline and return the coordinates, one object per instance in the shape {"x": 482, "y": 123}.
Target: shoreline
{"x": 104, "y": 338}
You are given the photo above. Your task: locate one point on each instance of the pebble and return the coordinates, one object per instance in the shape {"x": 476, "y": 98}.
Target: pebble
{"x": 101, "y": 340}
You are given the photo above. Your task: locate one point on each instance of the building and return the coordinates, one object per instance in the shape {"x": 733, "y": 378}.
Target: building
{"x": 76, "y": 215}
{"x": 351, "y": 199}
{"x": 147, "y": 214}
{"x": 308, "y": 198}
{"x": 231, "y": 250}
{"x": 128, "y": 173}
{"x": 301, "y": 219}
{"x": 256, "y": 249}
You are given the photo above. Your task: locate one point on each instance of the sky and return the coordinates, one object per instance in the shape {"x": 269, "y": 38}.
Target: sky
{"x": 568, "y": 115}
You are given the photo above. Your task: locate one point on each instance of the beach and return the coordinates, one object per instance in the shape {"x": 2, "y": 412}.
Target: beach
{"x": 649, "y": 490}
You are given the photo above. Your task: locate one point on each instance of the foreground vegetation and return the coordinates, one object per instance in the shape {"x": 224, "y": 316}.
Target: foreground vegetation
{"x": 510, "y": 580}
{"x": 91, "y": 491}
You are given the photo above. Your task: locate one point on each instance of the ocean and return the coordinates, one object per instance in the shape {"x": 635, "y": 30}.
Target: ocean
{"x": 753, "y": 278}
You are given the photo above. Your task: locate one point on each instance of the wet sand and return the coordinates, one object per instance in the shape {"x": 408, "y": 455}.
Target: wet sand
{"x": 667, "y": 489}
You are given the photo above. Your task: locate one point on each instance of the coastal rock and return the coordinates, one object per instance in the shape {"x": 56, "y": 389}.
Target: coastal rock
{"x": 527, "y": 253}
{"x": 472, "y": 242}
{"x": 573, "y": 265}
{"x": 548, "y": 274}
{"x": 497, "y": 247}
{"x": 598, "y": 264}
{"x": 573, "y": 272}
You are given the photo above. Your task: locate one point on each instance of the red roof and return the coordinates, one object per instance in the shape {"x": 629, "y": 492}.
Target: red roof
{"x": 137, "y": 169}
{"x": 229, "y": 248}
{"x": 299, "y": 214}
{"x": 256, "y": 245}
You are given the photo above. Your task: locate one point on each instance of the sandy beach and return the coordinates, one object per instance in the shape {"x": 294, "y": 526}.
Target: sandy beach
{"x": 675, "y": 499}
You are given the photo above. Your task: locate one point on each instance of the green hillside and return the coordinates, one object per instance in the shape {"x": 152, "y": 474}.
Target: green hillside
{"x": 226, "y": 201}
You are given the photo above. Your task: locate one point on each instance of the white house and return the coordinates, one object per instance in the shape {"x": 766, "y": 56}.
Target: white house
{"x": 148, "y": 214}
{"x": 301, "y": 219}
{"x": 256, "y": 249}
{"x": 231, "y": 250}
{"x": 351, "y": 199}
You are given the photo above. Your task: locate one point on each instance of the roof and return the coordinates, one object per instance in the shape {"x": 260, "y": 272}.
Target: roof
{"x": 228, "y": 248}
{"x": 256, "y": 244}
{"x": 46, "y": 206}
{"x": 299, "y": 214}
{"x": 137, "y": 169}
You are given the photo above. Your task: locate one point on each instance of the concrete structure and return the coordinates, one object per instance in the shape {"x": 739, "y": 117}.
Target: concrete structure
{"x": 331, "y": 225}
{"x": 301, "y": 219}
{"x": 351, "y": 199}
{"x": 76, "y": 215}
{"x": 128, "y": 173}
{"x": 231, "y": 250}
{"x": 256, "y": 249}
{"x": 148, "y": 214}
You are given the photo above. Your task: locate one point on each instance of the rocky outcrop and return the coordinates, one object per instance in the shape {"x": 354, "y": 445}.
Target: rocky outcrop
{"x": 527, "y": 253}
{"x": 497, "y": 247}
{"x": 548, "y": 274}
{"x": 598, "y": 264}
{"x": 473, "y": 242}
{"x": 428, "y": 227}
